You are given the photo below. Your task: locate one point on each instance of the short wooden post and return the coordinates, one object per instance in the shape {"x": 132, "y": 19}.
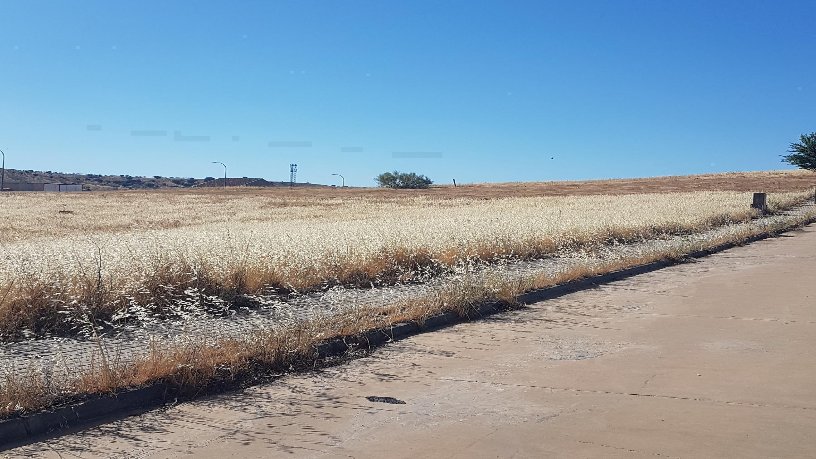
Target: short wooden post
{"x": 760, "y": 202}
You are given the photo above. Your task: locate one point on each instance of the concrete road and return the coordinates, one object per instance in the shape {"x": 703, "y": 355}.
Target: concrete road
{"x": 709, "y": 359}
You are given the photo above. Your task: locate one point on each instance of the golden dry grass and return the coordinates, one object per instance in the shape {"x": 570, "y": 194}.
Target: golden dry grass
{"x": 193, "y": 367}
{"x": 33, "y": 215}
{"x": 88, "y": 257}
{"x": 91, "y": 256}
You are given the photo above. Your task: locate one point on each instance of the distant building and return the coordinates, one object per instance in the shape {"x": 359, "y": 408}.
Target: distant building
{"x": 56, "y": 187}
{"x": 24, "y": 186}
{"x": 66, "y": 187}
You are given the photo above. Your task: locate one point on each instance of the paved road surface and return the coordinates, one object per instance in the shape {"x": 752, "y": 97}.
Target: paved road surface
{"x": 715, "y": 358}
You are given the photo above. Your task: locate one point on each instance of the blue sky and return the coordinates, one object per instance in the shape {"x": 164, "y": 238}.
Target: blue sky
{"x": 472, "y": 90}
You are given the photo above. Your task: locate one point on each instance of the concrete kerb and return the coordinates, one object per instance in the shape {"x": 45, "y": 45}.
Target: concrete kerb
{"x": 14, "y": 431}
{"x": 18, "y": 431}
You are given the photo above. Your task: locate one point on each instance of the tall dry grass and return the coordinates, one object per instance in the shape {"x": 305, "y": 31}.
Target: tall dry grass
{"x": 119, "y": 256}
{"x": 196, "y": 366}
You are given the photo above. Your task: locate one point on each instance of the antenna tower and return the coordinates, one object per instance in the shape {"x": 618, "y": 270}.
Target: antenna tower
{"x": 292, "y": 174}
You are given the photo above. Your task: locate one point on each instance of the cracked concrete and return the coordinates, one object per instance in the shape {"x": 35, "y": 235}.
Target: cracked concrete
{"x": 707, "y": 359}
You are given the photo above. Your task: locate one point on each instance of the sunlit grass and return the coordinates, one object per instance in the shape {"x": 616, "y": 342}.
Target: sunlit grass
{"x": 191, "y": 366}
{"x": 110, "y": 259}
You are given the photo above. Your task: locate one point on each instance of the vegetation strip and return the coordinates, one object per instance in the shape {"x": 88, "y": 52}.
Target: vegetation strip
{"x": 189, "y": 372}
{"x": 119, "y": 273}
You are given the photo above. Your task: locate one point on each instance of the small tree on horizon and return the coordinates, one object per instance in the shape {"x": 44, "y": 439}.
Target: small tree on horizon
{"x": 803, "y": 153}
{"x": 403, "y": 180}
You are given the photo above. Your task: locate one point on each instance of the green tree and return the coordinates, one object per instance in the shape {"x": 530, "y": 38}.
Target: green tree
{"x": 399, "y": 179}
{"x": 803, "y": 153}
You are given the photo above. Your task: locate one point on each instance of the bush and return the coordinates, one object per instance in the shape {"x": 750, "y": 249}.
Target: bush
{"x": 803, "y": 154}
{"x": 398, "y": 179}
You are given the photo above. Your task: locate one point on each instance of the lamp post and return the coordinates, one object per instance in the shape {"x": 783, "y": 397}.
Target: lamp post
{"x": 225, "y": 172}
{"x": 343, "y": 178}
{"x": 3, "y": 173}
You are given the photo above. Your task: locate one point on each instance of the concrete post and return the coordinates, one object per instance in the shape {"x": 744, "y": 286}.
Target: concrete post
{"x": 760, "y": 202}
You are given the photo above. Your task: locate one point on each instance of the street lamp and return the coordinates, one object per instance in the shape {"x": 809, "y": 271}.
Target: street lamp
{"x": 225, "y": 172}
{"x": 344, "y": 180}
{"x": 3, "y": 174}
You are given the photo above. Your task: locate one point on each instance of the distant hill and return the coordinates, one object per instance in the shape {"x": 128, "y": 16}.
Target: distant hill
{"x": 128, "y": 182}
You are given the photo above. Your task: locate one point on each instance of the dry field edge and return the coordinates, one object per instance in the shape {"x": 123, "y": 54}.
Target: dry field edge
{"x": 79, "y": 411}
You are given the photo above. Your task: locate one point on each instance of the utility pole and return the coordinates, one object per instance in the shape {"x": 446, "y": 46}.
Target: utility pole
{"x": 344, "y": 180}
{"x": 225, "y": 172}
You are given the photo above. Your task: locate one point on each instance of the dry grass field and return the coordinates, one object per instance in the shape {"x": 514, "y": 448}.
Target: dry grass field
{"x": 94, "y": 256}
{"x": 97, "y": 257}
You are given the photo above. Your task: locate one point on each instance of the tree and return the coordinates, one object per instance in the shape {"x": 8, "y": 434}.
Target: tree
{"x": 803, "y": 153}
{"x": 399, "y": 179}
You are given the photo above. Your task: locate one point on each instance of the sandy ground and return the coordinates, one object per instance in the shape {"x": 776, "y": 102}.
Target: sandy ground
{"x": 709, "y": 359}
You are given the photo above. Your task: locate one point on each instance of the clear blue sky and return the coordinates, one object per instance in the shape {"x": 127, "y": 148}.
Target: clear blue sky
{"x": 472, "y": 90}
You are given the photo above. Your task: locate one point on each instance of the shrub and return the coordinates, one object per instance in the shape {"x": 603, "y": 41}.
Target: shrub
{"x": 398, "y": 179}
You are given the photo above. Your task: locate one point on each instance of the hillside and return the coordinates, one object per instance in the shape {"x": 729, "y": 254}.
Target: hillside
{"x": 115, "y": 182}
